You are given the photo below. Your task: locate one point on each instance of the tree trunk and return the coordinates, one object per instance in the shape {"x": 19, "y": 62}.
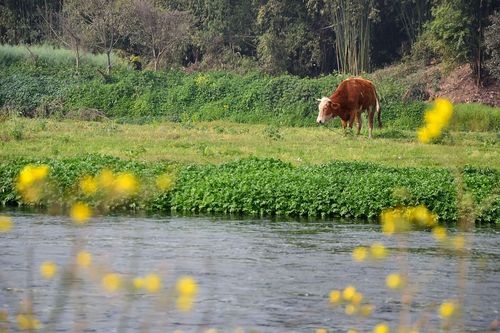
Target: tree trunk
{"x": 108, "y": 55}
{"x": 77, "y": 56}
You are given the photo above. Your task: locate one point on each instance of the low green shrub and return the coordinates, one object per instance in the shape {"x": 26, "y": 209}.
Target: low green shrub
{"x": 272, "y": 187}
{"x": 174, "y": 95}
{"x": 475, "y": 117}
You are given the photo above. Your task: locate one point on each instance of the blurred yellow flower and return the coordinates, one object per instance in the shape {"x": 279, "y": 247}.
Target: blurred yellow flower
{"x": 5, "y": 224}
{"x": 106, "y": 179}
{"x": 211, "y": 330}
{"x": 30, "y": 182}
{"x": 439, "y": 233}
{"x": 138, "y": 282}
{"x": 30, "y": 174}
{"x": 393, "y": 281}
{"x": 378, "y": 250}
{"x": 186, "y": 286}
{"x": 424, "y": 135}
{"x": 421, "y": 216}
{"x": 350, "y": 309}
{"x": 48, "y": 269}
{"x": 27, "y": 322}
{"x": 366, "y": 310}
{"x": 84, "y": 259}
{"x": 381, "y": 328}
{"x": 447, "y": 309}
{"x": 126, "y": 184}
{"x": 184, "y": 303}
{"x": 348, "y": 293}
{"x": 3, "y": 315}
{"x": 458, "y": 242}
{"x": 111, "y": 282}
{"x": 164, "y": 182}
{"x": 88, "y": 185}
{"x": 352, "y": 331}
{"x": 436, "y": 119}
{"x": 80, "y": 212}
{"x": 321, "y": 330}
{"x": 357, "y": 298}
{"x": 359, "y": 254}
{"x": 394, "y": 221}
{"x": 335, "y": 296}
{"x": 152, "y": 283}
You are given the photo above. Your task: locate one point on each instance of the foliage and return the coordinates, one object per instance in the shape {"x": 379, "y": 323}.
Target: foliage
{"x": 272, "y": 187}
{"x": 177, "y": 96}
{"x": 475, "y": 117}
{"x": 492, "y": 41}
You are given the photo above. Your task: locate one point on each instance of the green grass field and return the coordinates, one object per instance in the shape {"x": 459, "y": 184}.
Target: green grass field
{"x": 222, "y": 141}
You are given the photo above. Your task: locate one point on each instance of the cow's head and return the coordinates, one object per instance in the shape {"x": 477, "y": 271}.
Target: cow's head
{"x": 327, "y": 110}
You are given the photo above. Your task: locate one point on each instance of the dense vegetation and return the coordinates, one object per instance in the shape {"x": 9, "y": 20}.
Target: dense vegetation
{"x": 271, "y": 187}
{"x": 298, "y": 37}
{"x": 47, "y": 86}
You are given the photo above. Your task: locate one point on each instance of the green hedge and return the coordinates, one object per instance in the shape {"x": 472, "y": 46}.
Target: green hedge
{"x": 43, "y": 88}
{"x": 272, "y": 187}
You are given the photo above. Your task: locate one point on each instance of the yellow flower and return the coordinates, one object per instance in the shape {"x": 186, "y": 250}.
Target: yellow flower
{"x": 439, "y": 233}
{"x": 211, "y": 330}
{"x": 335, "y": 296}
{"x": 447, "y": 309}
{"x": 152, "y": 283}
{"x": 359, "y": 254}
{"x": 321, "y": 330}
{"x": 111, "y": 282}
{"x": 394, "y": 221}
{"x": 126, "y": 184}
{"x": 424, "y": 135}
{"x": 350, "y": 309}
{"x": 138, "y": 282}
{"x": 5, "y": 224}
{"x": 357, "y": 298}
{"x": 30, "y": 174}
{"x": 164, "y": 182}
{"x": 27, "y": 322}
{"x": 381, "y": 328}
{"x": 421, "y": 216}
{"x": 106, "y": 179}
{"x": 393, "y": 281}
{"x": 84, "y": 259}
{"x": 378, "y": 250}
{"x": 367, "y": 310}
{"x": 3, "y": 315}
{"x": 352, "y": 331}
{"x": 80, "y": 212}
{"x": 88, "y": 185}
{"x": 186, "y": 286}
{"x": 459, "y": 242}
{"x": 184, "y": 303}
{"x": 48, "y": 269}
{"x": 348, "y": 293}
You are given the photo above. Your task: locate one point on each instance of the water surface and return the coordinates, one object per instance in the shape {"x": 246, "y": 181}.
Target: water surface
{"x": 256, "y": 274}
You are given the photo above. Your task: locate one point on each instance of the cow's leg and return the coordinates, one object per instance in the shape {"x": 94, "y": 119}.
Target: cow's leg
{"x": 359, "y": 121}
{"x": 371, "y": 113}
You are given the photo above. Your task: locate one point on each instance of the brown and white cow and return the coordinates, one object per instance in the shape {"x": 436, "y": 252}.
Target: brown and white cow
{"x": 349, "y": 100}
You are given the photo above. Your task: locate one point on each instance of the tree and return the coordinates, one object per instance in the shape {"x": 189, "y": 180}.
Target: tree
{"x": 492, "y": 43}
{"x": 352, "y": 23}
{"x": 101, "y": 22}
{"x": 158, "y": 30}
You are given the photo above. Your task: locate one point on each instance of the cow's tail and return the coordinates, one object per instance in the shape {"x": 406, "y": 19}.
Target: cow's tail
{"x": 377, "y": 108}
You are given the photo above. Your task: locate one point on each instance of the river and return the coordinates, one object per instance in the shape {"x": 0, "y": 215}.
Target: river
{"x": 254, "y": 274}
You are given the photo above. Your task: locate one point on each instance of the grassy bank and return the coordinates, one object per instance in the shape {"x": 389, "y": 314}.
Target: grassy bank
{"x": 269, "y": 187}
{"x": 49, "y": 85}
{"x": 216, "y": 142}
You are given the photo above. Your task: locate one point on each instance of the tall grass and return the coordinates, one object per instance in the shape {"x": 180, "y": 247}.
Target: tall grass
{"x": 51, "y": 55}
{"x": 475, "y": 117}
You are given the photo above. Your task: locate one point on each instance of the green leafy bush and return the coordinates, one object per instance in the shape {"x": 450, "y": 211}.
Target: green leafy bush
{"x": 272, "y": 187}
{"x": 251, "y": 98}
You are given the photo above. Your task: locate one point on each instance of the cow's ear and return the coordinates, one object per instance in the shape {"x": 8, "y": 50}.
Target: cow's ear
{"x": 335, "y": 105}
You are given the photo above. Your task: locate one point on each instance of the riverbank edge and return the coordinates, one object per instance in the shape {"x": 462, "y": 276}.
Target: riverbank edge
{"x": 269, "y": 187}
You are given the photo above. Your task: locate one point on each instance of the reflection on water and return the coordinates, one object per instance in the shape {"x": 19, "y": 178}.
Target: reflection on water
{"x": 262, "y": 275}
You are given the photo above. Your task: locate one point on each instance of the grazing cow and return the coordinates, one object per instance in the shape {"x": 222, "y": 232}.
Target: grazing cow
{"x": 349, "y": 100}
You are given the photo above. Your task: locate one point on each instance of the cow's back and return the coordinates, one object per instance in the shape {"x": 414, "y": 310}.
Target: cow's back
{"x": 354, "y": 94}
